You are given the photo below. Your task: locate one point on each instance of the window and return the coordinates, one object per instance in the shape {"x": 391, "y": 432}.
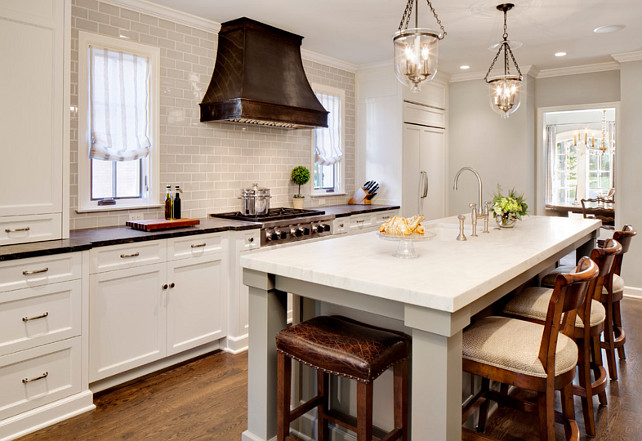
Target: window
{"x": 328, "y": 168}
{"x": 577, "y": 167}
{"x": 118, "y": 154}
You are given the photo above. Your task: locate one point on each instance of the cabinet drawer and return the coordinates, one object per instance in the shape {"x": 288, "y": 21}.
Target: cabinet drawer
{"x": 38, "y": 376}
{"x": 32, "y": 228}
{"x": 127, "y": 256}
{"x": 380, "y": 218}
{"x": 37, "y": 271}
{"x": 250, "y": 240}
{"x": 340, "y": 225}
{"x": 35, "y": 316}
{"x": 360, "y": 222}
{"x": 195, "y": 246}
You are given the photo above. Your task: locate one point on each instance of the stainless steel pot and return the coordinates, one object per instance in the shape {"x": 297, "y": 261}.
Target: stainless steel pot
{"x": 255, "y": 200}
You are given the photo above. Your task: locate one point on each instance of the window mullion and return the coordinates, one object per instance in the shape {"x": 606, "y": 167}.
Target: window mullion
{"x": 113, "y": 180}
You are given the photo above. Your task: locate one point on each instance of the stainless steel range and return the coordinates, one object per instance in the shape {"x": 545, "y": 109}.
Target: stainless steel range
{"x": 285, "y": 225}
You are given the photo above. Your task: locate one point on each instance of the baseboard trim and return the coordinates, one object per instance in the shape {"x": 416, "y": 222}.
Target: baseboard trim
{"x": 44, "y": 416}
{"x": 633, "y": 292}
{"x": 235, "y": 345}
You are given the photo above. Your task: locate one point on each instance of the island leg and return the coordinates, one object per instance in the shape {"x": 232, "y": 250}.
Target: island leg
{"x": 436, "y": 386}
{"x": 267, "y": 316}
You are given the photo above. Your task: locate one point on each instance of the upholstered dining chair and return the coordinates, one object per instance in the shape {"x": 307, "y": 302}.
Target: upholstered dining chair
{"x": 531, "y": 304}
{"x": 529, "y": 356}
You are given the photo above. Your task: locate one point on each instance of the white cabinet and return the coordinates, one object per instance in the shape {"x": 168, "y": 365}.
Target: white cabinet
{"x": 362, "y": 223}
{"x": 169, "y": 296}
{"x": 385, "y": 109}
{"x": 43, "y": 357}
{"x": 33, "y": 119}
{"x": 424, "y": 172}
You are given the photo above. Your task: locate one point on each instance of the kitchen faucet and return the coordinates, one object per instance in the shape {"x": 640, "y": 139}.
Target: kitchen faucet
{"x": 475, "y": 207}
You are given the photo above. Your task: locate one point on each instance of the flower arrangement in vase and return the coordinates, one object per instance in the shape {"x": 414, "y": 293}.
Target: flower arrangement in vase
{"x": 300, "y": 176}
{"x": 508, "y": 209}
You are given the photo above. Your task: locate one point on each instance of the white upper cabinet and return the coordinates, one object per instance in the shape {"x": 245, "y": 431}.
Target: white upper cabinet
{"x": 32, "y": 119}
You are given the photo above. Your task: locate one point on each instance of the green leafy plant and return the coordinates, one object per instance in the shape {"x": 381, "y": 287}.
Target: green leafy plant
{"x": 300, "y": 176}
{"x": 510, "y": 207}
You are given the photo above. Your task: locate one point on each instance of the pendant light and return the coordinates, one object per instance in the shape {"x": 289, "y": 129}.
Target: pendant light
{"x": 416, "y": 49}
{"x": 504, "y": 89}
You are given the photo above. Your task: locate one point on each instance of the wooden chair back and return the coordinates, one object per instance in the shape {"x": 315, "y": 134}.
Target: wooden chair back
{"x": 607, "y": 220}
{"x": 569, "y": 293}
{"x": 624, "y": 237}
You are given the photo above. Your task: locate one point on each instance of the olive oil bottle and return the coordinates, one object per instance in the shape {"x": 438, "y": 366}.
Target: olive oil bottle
{"x": 169, "y": 208}
{"x": 177, "y": 203}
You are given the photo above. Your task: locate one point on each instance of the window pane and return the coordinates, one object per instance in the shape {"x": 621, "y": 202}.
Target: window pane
{"x": 101, "y": 179}
{"x": 128, "y": 179}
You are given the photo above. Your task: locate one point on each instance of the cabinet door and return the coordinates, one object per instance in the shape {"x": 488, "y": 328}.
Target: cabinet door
{"x": 424, "y": 165}
{"x": 195, "y": 304}
{"x": 31, "y": 109}
{"x": 126, "y": 319}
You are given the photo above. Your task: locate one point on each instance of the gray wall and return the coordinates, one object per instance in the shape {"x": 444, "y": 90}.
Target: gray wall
{"x": 598, "y": 87}
{"x": 501, "y": 150}
{"x": 629, "y": 162}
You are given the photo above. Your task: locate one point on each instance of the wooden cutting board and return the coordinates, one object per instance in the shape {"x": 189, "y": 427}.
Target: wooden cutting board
{"x": 162, "y": 224}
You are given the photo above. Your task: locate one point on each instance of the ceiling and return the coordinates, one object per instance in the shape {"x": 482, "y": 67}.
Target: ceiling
{"x": 360, "y": 31}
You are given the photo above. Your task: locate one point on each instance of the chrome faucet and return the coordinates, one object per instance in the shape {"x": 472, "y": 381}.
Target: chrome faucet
{"x": 476, "y": 208}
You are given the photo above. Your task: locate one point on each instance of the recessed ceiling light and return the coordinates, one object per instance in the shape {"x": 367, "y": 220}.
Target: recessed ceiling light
{"x": 560, "y": 54}
{"x": 608, "y": 29}
{"x": 464, "y": 67}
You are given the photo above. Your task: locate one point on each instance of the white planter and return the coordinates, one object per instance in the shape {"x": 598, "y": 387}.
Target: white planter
{"x": 298, "y": 203}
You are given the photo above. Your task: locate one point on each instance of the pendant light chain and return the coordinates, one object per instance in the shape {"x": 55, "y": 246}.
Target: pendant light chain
{"x": 405, "y": 19}
{"x": 507, "y": 51}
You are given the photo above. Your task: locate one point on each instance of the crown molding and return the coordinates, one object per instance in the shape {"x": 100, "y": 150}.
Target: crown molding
{"x": 328, "y": 61}
{"x": 576, "y": 70}
{"x": 158, "y": 11}
{"x": 625, "y": 57}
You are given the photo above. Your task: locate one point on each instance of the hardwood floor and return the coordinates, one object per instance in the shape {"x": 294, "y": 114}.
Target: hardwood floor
{"x": 207, "y": 400}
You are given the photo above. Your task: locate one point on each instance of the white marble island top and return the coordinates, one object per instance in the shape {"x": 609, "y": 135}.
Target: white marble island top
{"x": 447, "y": 275}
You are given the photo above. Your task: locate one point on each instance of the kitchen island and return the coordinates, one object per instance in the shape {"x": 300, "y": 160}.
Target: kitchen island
{"x": 434, "y": 296}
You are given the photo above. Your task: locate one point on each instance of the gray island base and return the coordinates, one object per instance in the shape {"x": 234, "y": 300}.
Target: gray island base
{"x": 434, "y": 296}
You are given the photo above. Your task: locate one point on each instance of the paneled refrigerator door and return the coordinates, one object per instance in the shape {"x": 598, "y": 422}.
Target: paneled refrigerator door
{"x": 424, "y": 163}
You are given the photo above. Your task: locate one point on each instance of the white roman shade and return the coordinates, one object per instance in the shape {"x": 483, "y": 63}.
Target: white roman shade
{"x": 328, "y": 140}
{"x": 119, "y": 105}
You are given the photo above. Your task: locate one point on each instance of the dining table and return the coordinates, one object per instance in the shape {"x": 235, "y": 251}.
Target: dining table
{"x": 434, "y": 296}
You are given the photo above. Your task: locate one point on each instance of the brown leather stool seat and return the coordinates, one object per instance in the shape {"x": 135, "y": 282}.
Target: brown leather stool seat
{"x": 340, "y": 346}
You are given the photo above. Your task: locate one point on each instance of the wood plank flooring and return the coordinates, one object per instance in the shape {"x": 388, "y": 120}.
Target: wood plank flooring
{"x": 207, "y": 400}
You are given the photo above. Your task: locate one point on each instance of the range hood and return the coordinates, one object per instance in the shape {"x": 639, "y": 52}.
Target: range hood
{"x": 259, "y": 79}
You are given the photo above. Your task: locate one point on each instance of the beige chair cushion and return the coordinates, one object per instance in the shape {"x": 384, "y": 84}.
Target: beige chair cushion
{"x": 532, "y": 303}
{"x": 549, "y": 279}
{"x": 514, "y": 345}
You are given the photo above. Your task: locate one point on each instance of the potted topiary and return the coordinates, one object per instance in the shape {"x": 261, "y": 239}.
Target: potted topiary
{"x": 300, "y": 176}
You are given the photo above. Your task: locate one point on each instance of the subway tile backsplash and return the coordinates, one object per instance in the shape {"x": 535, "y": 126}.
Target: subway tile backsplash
{"x": 210, "y": 161}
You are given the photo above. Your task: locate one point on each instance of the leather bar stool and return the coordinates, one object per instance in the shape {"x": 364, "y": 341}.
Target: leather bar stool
{"x": 529, "y": 356}
{"x": 340, "y": 346}
{"x": 532, "y": 303}
{"x": 614, "y": 336}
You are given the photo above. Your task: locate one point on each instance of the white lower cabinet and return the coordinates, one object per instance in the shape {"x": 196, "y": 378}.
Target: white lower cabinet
{"x": 148, "y": 312}
{"x": 126, "y": 319}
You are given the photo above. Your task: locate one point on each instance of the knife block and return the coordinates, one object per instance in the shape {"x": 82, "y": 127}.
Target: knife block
{"x": 359, "y": 198}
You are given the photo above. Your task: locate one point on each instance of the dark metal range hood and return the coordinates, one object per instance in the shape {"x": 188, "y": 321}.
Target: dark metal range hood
{"x": 259, "y": 79}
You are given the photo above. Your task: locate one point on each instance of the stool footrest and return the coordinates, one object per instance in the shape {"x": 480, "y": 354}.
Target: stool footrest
{"x": 349, "y": 422}
{"x": 305, "y": 407}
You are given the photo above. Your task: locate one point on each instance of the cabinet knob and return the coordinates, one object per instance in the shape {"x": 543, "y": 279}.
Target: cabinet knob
{"x": 171, "y": 285}
{"x": 250, "y": 239}
{"x": 165, "y": 286}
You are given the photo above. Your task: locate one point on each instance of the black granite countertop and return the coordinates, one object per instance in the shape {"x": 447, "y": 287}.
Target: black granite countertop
{"x": 81, "y": 240}
{"x": 349, "y": 210}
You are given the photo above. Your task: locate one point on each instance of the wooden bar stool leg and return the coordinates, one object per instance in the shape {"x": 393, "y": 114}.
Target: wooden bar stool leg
{"x": 598, "y": 365}
{"x": 322, "y": 409}
{"x": 609, "y": 344}
{"x": 585, "y": 383}
{"x": 617, "y": 327}
{"x": 546, "y": 411}
{"x": 364, "y": 411}
{"x": 483, "y": 410}
{"x": 401, "y": 397}
{"x": 284, "y": 384}
{"x": 568, "y": 410}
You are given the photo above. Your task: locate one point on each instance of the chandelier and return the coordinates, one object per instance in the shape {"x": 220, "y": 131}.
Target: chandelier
{"x": 608, "y": 137}
{"x": 504, "y": 89}
{"x": 416, "y": 49}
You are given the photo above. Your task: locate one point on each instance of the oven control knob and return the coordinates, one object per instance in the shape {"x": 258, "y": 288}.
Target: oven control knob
{"x": 319, "y": 228}
{"x": 268, "y": 235}
{"x": 282, "y": 234}
{"x": 277, "y": 234}
{"x": 306, "y": 231}
{"x": 326, "y": 227}
{"x": 298, "y": 232}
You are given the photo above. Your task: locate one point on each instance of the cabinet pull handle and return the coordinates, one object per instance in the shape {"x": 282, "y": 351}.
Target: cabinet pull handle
{"x": 171, "y": 285}
{"x": 125, "y": 256}
{"x": 29, "y": 380}
{"x": 198, "y": 245}
{"x": 28, "y": 273}
{"x": 26, "y": 319}
{"x": 360, "y": 221}
{"x": 15, "y": 230}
